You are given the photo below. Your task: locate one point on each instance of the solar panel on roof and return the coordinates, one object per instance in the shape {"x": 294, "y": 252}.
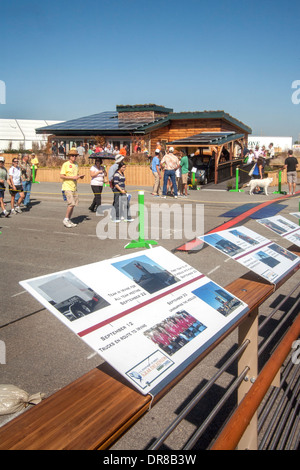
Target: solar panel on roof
{"x": 108, "y": 120}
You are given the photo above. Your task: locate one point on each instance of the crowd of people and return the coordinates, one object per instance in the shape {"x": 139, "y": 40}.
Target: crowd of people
{"x": 259, "y": 152}
{"x": 116, "y": 176}
{"x": 58, "y": 149}
{"x": 19, "y": 179}
{"x": 170, "y": 172}
{"x": 175, "y": 169}
{"x": 258, "y": 159}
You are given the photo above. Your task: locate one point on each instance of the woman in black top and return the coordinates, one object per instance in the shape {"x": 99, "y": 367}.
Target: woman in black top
{"x": 121, "y": 199}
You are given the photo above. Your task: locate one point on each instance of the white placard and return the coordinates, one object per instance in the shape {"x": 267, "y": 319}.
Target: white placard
{"x": 255, "y": 252}
{"x": 148, "y": 314}
{"x": 283, "y": 227}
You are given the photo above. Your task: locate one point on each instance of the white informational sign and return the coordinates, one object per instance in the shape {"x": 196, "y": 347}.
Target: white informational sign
{"x": 283, "y": 227}
{"x": 280, "y": 143}
{"x": 255, "y": 252}
{"x": 149, "y": 315}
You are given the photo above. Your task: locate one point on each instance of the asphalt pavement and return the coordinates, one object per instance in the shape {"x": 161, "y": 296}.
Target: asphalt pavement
{"x": 42, "y": 355}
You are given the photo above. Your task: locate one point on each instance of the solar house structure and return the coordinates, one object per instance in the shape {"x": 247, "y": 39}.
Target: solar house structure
{"x": 211, "y": 134}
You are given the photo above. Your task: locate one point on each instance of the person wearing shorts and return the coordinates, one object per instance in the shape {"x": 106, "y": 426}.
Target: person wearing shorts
{"x": 69, "y": 175}
{"x": 184, "y": 163}
{"x": 15, "y": 183}
{"x": 291, "y": 164}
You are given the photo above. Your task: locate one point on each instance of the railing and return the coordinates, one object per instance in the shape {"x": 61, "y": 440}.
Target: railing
{"x": 227, "y": 170}
{"x": 277, "y": 423}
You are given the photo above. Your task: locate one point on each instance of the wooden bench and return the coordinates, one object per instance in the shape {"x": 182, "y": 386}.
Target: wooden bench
{"x": 95, "y": 410}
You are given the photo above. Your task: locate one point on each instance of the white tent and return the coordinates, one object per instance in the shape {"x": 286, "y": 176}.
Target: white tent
{"x": 20, "y": 133}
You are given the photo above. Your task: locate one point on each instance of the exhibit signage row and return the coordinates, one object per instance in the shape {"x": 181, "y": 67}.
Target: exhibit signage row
{"x": 255, "y": 252}
{"x": 150, "y": 314}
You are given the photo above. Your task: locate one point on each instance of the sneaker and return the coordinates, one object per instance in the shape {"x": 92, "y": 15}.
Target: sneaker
{"x": 13, "y": 212}
{"x": 128, "y": 220}
{"x": 72, "y": 223}
{"x": 116, "y": 220}
{"x": 67, "y": 223}
{"x": 175, "y": 197}
{"x": 18, "y": 209}
{"x": 163, "y": 197}
{"x": 6, "y": 213}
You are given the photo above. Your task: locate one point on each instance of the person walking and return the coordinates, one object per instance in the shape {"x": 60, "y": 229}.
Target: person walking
{"x": 69, "y": 175}
{"x": 15, "y": 183}
{"x": 155, "y": 167}
{"x": 121, "y": 206}
{"x": 118, "y": 159}
{"x": 169, "y": 164}
{"x": 26, "y": 176}
{"x": 97, "y": 179}
{"x": 291, "y": 164}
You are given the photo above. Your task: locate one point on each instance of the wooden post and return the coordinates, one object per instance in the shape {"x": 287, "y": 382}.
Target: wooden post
{"x": 231, "y": 157}
{"x": 249, "y": 330}
{"x": 217, "y": 160}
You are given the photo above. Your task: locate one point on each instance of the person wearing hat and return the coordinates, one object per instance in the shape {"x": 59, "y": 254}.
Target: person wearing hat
{"x": 118, "y": 159}
{"x": 3, "y": 178}
{"x": 169, "y": 164}
{"x": 15, "y": 183}
{"x": 69, "y": 175}
{"x": 155, "y": 167}
{"x": 26, "y": 177}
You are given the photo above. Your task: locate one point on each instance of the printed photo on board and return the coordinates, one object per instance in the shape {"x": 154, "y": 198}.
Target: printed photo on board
{"x": 69, "y": 295}
{"x": 174, "y": 332}
{"x": 146, "y": 273}
{"x": 229, "y": 248}
{"x": 218, "y": 298}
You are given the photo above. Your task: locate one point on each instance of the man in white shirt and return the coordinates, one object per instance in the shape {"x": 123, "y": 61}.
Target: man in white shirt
{"x": 271, "y": 150}
{"x": 118, "y": 159}
{"x": 257, "y": 153}
{"x": 15, "y": 183}
{"x": 250, "y": 156}
{"x": 81, "y": 150}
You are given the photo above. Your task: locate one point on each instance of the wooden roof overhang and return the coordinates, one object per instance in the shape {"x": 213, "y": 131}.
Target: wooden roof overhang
{"x": 225, "y": 117}
{"x": 215, "y": 140}
{"x": 208, "y": 139}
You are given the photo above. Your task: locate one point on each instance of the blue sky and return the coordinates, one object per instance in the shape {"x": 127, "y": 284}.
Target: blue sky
{"x": 66, "y": 59}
